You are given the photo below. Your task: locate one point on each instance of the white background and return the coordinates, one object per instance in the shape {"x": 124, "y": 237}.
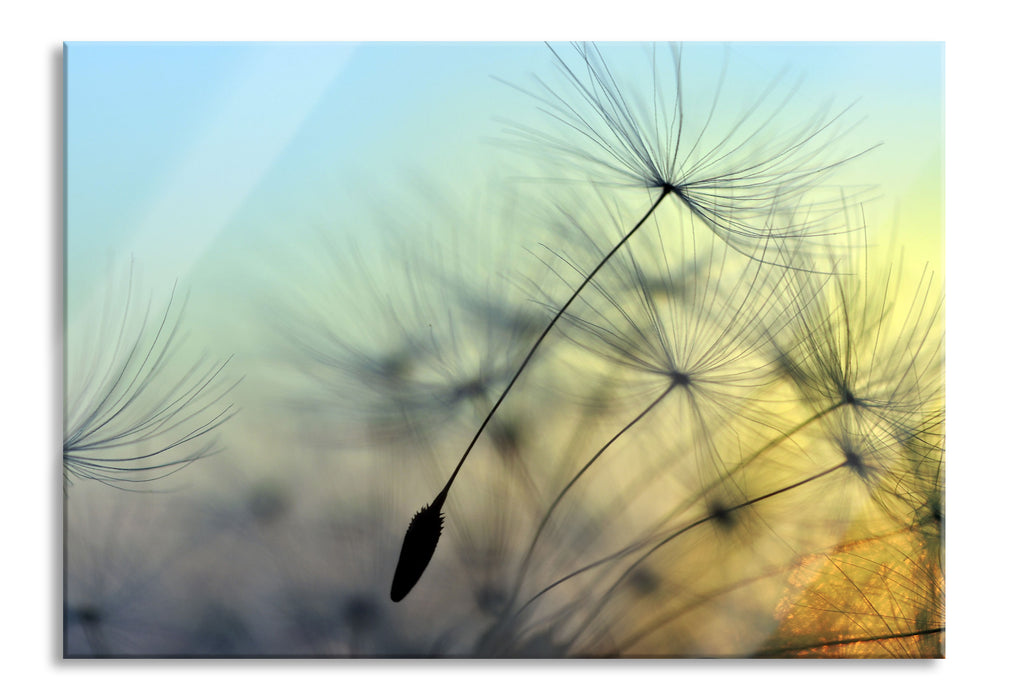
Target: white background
{"x": 30, "y": 256}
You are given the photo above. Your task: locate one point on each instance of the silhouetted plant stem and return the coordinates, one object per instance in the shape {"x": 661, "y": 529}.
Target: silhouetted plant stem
{"x": 422, "y": 527}
{"x": 655, "y": 625}
{"x": 767, "y": 653}
{"x": 567, "y": 487}
{"x": 628, "y": 550}
{"x": 553, "y": 322}
{"x": 687, "y": 528}
{"x": 769, "y": 445}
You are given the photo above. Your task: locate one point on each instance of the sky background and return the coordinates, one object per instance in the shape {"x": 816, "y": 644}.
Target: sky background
{"x": 178, "y": 153}
{"x": 247, "y": 176}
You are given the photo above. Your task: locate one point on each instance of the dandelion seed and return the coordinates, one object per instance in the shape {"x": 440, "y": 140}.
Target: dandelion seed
{"x": 876, "y": 352}
{"x": 129, "y": 418}
{"x": 529, "y": 355}
{"x": 419, "y": 544}
{"x": 416, "y": 368}
{"x": 734, "y": 180}
{"x": 721, "y": 514}
{"x": 658, "y": 166}
{"x": 127, "y": 560}
{"x": 699, "y": 346}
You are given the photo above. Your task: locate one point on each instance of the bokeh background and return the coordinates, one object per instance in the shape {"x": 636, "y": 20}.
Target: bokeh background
{"x": 298, "y": 194}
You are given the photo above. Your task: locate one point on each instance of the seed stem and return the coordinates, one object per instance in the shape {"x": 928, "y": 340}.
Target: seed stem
{"x": 439, "y": 500}
{"x": 588, "y": 278}
{"x": 628, "y": 550}
{"x": 851, "y": 640}
{"x": 567, "y": 487}
{"x": 686, "y": 528}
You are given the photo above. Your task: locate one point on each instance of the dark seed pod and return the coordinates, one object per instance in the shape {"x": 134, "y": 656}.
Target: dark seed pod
{"x": 419, "y": 544}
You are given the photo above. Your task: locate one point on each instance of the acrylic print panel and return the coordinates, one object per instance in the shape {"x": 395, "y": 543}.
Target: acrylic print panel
{"x": 504, "y": 350}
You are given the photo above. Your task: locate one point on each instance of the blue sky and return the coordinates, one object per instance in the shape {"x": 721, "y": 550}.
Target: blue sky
{"x": 169, "y": 144}
{"x": 185, "y": 156}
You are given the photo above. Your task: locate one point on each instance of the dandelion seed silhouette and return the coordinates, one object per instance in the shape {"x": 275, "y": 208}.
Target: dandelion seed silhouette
{"x": 936, "y": 512}
{"x": 419, "y": 543}
{"x": 854, "y": 461}
{"x": 723, "y": 515}
{"x": 424, "y": 530}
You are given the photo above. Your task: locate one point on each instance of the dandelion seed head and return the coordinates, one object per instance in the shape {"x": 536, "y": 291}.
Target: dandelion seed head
{"x": 361, "y": 611}
{"x": 934, "y": 512}
{"x": 491, "y": 599}
{"x": 410, "y": 340}
{"x": 419, "y": 544}
{"x": 395, "y": 367}
{"x": 679, "y": 378}
{"x": 509, "y": 436}
{"x": 644, "y": 581}
{"x": 267, "y": 503}
{"x": 734, "y": 175}
{"x": 135, "y": 412}
{"x": 856, "y": 463}
{"x": 721, "y": 514}
{"x": 848, "y": 398}
{"x": 861, "y": 339}
{"x": 470, "y": 389}
{"x": 89, "y": 614}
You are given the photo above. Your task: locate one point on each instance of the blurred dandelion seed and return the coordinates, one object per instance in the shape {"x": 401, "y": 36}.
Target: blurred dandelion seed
{"x": 731, "y": 441}
{"x": 131, "y": 416}
{"x": 768, "y": 183}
